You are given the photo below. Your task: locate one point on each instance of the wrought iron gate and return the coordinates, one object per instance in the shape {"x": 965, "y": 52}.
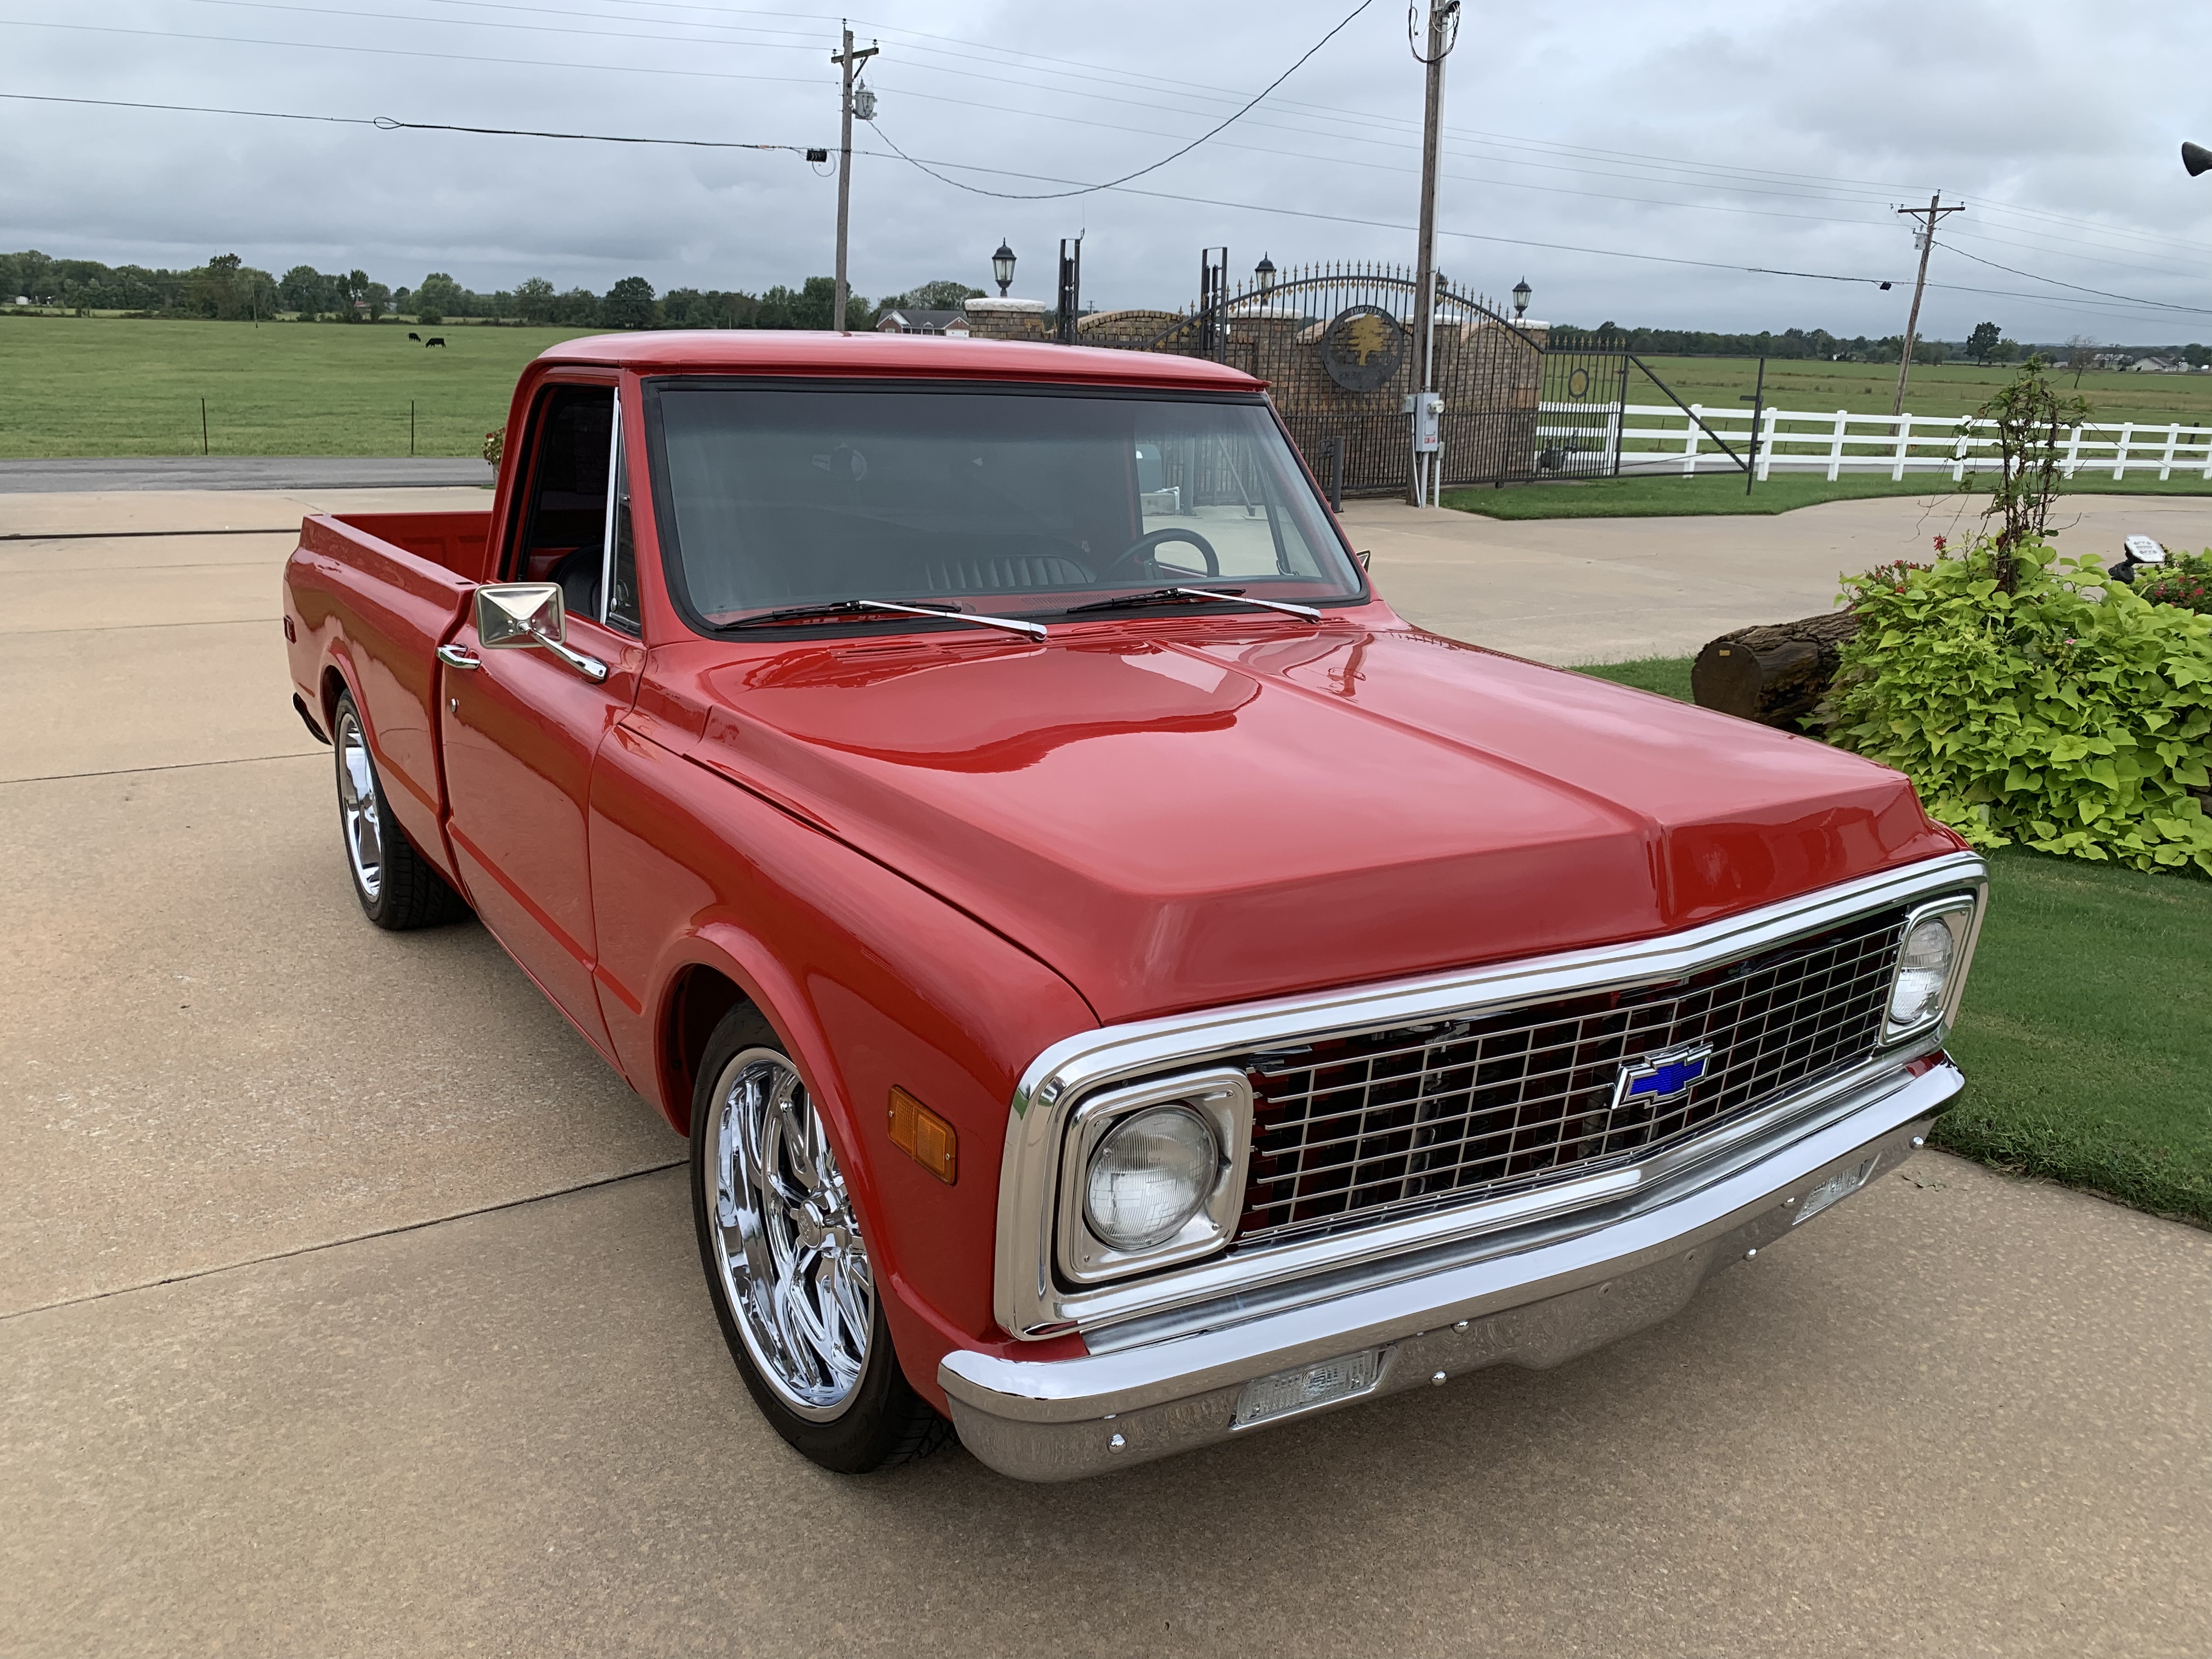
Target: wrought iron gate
{"x": 1579, "y": 418}
{"x": 1335, "y": 345}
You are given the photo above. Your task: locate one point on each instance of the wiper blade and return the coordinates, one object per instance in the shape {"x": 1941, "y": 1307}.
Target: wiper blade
{"x": 1192, "y": 596}
{"x": 879, "y": 607}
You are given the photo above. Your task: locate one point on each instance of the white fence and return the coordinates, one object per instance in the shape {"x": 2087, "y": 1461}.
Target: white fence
{"x": 1663, "y": 439}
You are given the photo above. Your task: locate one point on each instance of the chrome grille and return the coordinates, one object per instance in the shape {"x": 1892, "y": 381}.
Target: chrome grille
{"x": 1348, "y": 1130}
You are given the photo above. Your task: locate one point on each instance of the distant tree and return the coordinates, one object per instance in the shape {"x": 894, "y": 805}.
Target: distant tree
{"x": 2005, "y": 351}
{"x": 438, "y": 298}
{"x": 379, "y": 298}
{"x": 535, "y": 301}
{"x": 628, "y": 304}
{"x": 1930, "y": 351}
{"x": 1983, "y": 341}
{"x": 943, "y": 294}
{"x": 216, "y": 291}
{"x": 578, "y": 309}
{"x": 810, "y": 306}
{"x": 2196, "y": 356}
{"x": 2081, "y": 355}
{"x": 306, "y": 290}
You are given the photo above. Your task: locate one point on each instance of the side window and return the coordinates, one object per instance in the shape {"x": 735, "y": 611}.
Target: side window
{"x": 622, "y": 587}
{"x": 565, "y": 525}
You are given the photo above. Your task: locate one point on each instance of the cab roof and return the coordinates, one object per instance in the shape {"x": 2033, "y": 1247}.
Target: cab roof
{"x": 921, "y": 356}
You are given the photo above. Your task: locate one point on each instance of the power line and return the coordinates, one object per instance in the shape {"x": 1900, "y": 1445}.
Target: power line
{"x": 387, "y": 123}
{"x": 1087, "y": 189}
{"x": 2159, "y": 305}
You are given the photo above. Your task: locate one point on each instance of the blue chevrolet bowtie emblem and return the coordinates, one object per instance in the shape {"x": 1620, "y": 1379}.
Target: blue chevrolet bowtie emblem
{"x": 1660, "y": 1077}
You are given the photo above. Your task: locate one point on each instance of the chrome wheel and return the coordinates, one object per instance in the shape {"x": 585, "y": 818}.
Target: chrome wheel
{"x": 783, "y": 1236}
{"x": 358, "y": 807}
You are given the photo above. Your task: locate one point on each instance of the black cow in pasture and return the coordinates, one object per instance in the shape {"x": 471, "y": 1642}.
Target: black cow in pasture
{"x": 435, "y": 340}
{"x": 413, "y": 336}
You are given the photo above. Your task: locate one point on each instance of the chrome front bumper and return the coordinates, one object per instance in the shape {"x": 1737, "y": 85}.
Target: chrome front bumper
{"x": 1535, "y": 1306}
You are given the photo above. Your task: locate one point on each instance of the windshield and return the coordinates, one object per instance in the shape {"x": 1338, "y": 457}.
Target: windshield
{"x": 1001, "y": 501}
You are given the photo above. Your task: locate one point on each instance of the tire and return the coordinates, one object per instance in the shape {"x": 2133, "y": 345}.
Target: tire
{"x": 785, "y": 1267}
{"x": 397, "y": 886}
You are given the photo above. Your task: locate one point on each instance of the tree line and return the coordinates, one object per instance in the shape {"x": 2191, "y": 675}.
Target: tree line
{"x": 227, "y": 289}
{"x": 1987, "y": 343}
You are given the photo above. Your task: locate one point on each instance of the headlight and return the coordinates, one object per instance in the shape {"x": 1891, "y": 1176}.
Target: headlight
{"x": 1152, "y": 1172}
{"x": 1928, "y": 963}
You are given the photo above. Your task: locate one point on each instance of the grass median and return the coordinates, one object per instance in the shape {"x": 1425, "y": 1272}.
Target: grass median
{"x": 2084, "y": 1034}
{"x": 1716, "y": 493}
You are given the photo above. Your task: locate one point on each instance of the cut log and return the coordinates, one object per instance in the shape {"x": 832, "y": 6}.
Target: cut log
{"x": 1775, "y": 674}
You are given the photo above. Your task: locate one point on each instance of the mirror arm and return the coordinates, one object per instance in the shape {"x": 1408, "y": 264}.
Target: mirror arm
{"x": 590, "y": 667}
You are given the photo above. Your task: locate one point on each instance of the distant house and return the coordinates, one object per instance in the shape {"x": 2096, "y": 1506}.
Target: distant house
{"x": 2159, "y": 366}
{"x": 923, "y": 322}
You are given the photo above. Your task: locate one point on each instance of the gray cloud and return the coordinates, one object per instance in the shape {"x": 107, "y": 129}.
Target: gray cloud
{"x": 1798, "y": 126}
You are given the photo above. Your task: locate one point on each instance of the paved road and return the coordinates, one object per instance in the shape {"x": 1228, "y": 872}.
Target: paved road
{"x": 1602, "y": 590}
{"x": 263, "y": 472}
{"x": 347, "y": 1306}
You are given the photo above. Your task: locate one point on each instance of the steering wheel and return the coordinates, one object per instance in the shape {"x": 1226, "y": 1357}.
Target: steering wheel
{"x": 1142, "y": 547}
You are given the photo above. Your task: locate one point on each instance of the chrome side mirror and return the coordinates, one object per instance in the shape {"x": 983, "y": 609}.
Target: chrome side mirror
{"x": 512, "y": 615}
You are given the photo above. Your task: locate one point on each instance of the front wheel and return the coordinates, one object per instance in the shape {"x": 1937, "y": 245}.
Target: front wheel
{"x": 787, "y": 1268}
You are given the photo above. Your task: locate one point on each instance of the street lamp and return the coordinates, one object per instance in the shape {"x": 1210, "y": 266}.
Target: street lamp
{"x": 1521, "y": 293}
{"x": 2196, "y": 158}
{"x": 1002, "y": 269}
{"x": 1263, "y": 274}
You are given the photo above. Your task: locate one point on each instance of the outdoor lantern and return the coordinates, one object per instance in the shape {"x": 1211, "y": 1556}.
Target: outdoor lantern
{"x": 1002, "y": 269}
{"x": 2196, "y": 158}
{"x": 1521, "y": 293}
{"x": 1264, "y": 273}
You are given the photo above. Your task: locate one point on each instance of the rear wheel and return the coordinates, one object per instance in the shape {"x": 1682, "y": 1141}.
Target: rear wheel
{"x": 787, "y": 1268}
{"x": 397, "y": 886}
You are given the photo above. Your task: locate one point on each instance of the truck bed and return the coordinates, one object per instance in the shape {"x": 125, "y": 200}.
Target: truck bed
{"x": 376, "y": 594}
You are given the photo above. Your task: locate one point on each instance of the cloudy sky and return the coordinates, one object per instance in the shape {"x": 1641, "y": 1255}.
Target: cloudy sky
{"x": 1708, "y": 137}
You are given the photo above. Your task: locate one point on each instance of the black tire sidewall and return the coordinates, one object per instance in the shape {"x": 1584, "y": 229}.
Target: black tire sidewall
{"x": 870, "y": 1431}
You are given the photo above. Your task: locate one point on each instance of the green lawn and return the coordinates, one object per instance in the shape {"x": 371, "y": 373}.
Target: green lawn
{"x": 2085, "y": 1035}
{"x": 1941, "y": 389}
{"x": 1723, "y": 493}
{"x": 78, "y": 385}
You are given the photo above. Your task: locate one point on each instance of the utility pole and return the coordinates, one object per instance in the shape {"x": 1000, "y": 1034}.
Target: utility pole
{"x": 848, "y": 60}
{"x": 1925, "y": 218}
{"x": 1444, "y": 31}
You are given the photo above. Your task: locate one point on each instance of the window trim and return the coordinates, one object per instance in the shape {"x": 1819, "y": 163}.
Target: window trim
{"x": 522, "y": 510}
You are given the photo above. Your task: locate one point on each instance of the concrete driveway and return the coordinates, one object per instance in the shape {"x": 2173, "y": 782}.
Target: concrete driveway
{"x": 349, "y": 1306}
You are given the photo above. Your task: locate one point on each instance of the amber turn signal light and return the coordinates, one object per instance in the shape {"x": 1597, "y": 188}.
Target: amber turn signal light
{"x": 925, "y": 1138}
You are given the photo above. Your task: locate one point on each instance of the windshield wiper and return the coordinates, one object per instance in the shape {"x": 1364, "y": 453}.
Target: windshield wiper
{"x": 867, "y": 607}
{"x": 1192, "y": 596}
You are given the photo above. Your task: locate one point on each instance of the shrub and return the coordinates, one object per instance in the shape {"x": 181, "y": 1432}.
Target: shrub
{"x": 494, "y": 445}
{"x": 2068, "y": 714}
{"x": 2186, "y": 583}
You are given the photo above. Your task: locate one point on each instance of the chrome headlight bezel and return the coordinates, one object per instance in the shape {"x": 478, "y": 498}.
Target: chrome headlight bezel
{"x": 1958, "y": 911}
{"x": 1222, "y": 1098}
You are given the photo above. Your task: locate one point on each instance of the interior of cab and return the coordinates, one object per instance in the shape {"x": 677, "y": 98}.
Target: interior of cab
{"x": 565, "y": 520}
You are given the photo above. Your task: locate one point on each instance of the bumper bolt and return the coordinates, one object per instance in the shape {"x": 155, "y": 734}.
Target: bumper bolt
{"x": 1437, "y": 1379}
{"x": 1115, "y": 1443}
{"x": 1919, "y": 1140}
{"x": 1462, "y": 1325}
{"x": 1750, "y": 1253}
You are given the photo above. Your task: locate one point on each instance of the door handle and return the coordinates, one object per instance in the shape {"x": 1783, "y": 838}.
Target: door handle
{"x": 454, "y": 656}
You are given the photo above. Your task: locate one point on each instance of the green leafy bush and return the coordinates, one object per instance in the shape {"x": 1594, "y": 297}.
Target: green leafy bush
{"x": 2187, "y": 582}
{"x": 2030, "y": 700}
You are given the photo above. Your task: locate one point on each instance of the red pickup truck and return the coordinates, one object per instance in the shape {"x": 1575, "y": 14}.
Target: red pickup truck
{"x": 1123, "y": 986}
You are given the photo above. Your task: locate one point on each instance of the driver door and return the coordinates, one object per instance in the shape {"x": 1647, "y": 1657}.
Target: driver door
{"x": 522, "y": 727}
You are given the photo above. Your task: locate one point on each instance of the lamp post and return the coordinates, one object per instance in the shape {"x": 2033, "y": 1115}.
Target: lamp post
{"x": 1521, "y": 292}
{"x": 1263, "y": 274}
{"x": 1002, "y": 269}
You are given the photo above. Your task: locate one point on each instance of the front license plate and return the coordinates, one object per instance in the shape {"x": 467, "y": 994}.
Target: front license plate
{"x": 1842, "y": 1184}
{"x": 1309, "y": 1386}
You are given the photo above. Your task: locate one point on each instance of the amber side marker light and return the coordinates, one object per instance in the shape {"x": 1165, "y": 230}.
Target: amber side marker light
{"x": 925, "y": 1138}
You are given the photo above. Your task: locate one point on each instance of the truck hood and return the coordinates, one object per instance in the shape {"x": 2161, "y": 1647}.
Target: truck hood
{"x": 1196, "y": 811}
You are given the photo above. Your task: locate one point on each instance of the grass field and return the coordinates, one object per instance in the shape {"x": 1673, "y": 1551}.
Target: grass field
{"x": 1723, "y": 493}
{"x": 121, "y": 386}
{"x": 2083, "y": 1035}
{"x": 1946, "y": 389}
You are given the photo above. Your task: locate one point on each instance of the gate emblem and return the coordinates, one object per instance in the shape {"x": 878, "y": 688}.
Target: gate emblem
{"x": 1361, "y": 347}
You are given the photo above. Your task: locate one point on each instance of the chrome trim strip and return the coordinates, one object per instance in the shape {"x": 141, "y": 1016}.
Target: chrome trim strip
{"x": 1027, "y": 1299}
{"x": 1085, "y": 1389}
